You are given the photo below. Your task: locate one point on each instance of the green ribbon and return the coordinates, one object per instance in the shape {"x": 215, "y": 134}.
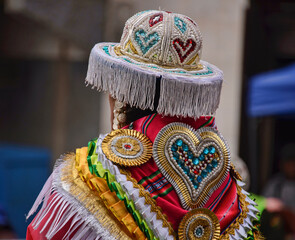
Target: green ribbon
{"x": 96, "y": 168}
{"x": 90, "y": 151}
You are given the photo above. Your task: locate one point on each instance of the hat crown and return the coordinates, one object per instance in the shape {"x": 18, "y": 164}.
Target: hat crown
{"x": 163, "y": 38}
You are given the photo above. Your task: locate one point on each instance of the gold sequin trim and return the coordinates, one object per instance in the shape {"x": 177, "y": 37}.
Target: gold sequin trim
{"x": 127, "y": 147}
{"x": 240, "y": 220}
{"x": 110, "y": 200}
{"x": 89, "y": 199}
{"x": 234, "y": 172}
{"x": 188, "y": 199}
{"x": 150, "y": 201}
{"x": 199, "y": 224}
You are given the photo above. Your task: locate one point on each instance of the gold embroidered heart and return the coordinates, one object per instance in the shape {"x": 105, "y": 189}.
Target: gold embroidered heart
{"x": 194, "y": 161}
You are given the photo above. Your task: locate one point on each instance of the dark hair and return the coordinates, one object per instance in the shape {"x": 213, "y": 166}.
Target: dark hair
{"x": 134, "y": 113}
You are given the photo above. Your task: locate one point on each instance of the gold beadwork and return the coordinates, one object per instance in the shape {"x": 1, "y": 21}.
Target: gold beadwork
{"x": 127, "y": 147}
{"x": 88, "y": 198}
{"x": 199, "y": 224}
{"x": 189, "y": 197}
{"x": 135, "y": 149}
{"x": 133, "y": 49}
{"x": 193, "y": 59}
{"x": 234, "y": 172}
{"x": 240, "y": 220}
{"x": 118, "y": 51}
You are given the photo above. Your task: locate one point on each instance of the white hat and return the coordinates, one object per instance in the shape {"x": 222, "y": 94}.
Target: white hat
{"x": 162, "y": 50}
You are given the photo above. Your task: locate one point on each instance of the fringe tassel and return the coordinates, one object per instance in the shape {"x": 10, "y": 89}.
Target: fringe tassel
{"x": 65, "y": 208}
{"x": 125, "y": 83}
{"x": 42, "y": 195}
{"x": 179, "y": 95}
{"x": 189, "y": 98}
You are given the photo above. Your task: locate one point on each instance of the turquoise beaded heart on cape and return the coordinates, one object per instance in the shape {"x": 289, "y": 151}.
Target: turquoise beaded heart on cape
{"x": 146, "y": 41}
{"x": 195, "y": 162}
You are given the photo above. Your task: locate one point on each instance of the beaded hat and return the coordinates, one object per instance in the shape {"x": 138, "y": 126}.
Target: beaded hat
{"x": 160, "y": 52}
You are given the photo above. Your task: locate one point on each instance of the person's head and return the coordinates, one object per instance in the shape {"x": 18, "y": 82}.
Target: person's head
{"x": 288, "y": 160}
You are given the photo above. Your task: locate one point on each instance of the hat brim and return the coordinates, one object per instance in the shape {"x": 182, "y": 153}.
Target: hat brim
{"x": 183, "y": 92}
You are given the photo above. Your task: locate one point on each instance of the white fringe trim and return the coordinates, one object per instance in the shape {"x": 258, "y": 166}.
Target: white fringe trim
{"x": 124, "y": 83}
{"x": 64, "y": 208}
{"x": 144, "y": 209}
{"x": 244, "y": 228}
{"x": 186, "y": 98}
{"x": 191, "y": 96}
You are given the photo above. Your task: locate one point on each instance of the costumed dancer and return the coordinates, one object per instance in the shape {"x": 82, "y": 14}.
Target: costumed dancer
{"x": 164, "y": 172}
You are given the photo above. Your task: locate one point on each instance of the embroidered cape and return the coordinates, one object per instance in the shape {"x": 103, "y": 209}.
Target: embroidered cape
{"x": 94, "y": 194}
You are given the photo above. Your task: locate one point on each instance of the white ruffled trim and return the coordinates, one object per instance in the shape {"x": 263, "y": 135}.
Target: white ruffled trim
{"x": 65, "y": 208}
{"x": 144, "y": 209}
{"x": 244, "y": 228}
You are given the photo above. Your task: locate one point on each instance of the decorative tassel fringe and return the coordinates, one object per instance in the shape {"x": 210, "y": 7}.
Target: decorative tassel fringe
{"x": 43, "y": 196}
{"x": 65, "y": 208}
{"x": 189, "y": 98}
{"x": 129, "y": 83}
{"x": 126, "y": 84}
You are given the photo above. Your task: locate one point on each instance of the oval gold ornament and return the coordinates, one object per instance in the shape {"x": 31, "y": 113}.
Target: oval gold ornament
{"x": 199, "y": 224}
{"x": 127, "y": 147}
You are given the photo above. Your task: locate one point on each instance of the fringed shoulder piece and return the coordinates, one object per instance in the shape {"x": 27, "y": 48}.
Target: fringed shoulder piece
{"x": 112, "y": 195}
{"x": 69, "y": 203}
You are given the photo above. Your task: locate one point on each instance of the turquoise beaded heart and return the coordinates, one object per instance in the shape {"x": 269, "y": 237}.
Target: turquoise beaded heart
{"x": 180, "y": 24}
{"x": 196, "y": 167}
{"x": 195, "y": 162}
{"x": 144, "y": 41}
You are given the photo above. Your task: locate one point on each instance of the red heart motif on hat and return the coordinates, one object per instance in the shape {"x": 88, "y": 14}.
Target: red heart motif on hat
{"x": 155, "y": 19}
{"x": 184, "y": 50}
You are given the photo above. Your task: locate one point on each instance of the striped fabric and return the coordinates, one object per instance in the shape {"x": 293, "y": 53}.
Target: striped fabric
{"x": 156, "y": 184}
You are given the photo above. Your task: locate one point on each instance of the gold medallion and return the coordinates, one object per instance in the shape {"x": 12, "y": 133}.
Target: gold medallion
{"x": 199, "y": 224}
{"x": 127, "y": 147}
